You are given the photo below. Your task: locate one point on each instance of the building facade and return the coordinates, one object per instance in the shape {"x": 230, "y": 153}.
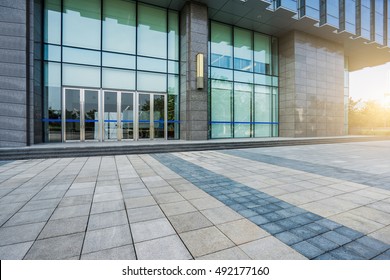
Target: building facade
{"x": 126, "y": 70}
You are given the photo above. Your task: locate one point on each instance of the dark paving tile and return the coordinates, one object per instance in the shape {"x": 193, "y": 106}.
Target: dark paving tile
{"x": 325, "y": 257}
{"x": 323, "y": 243}
{"x": 288, "y": 238}
{"x": 336, "y": 237}
{"x": 308, "y": 249}
{"x": 258, "y": 220}
{"x": 328, "y": 224}
{"x": 373, "y": 243}
{"x": 350, "y": 233}
{"x": 273, "y": 228}
{"x": 317, "y": 228}
{"x": 361, "y": 250}
{"x": 344, "y": 254}
{"x": 303, "y": 232}
{"x": 384, "y": 256}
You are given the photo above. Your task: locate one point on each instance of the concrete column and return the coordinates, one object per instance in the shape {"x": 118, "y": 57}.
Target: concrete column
{"x": 16, "y": 72}
{"x": 311, "y": 93}
{"x": 193, "y": 102}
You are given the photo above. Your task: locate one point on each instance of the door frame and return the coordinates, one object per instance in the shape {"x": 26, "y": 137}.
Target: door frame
{"x": 100, "y": 122}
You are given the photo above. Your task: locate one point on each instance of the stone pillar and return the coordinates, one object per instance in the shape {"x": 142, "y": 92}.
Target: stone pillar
{"x": 193, "y": 102}
{"x": 311, "y": 93}
{"x": 16, "y": 72}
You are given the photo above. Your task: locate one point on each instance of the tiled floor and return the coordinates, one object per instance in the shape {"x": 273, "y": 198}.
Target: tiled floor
{"x": 302, "y": 202}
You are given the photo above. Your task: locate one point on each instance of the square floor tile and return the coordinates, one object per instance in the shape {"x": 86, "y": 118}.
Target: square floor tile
{"x": 144, "y": 213}
{"x": 205, "y": 241}
{"x": 242, "y": 231}
{"x": 118, "y": 253}
{"x": 152, "y": 229}
{"x": 165, "y": 248}
{"x": 108, "y": 219}
{"x": 64, "y": 227}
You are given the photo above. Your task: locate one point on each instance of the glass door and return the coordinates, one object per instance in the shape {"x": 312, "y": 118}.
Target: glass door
{"x": 72, "y": 118}
{"x": 110, "y": 115}
{"x": 159, "y": 116}
{"x": 126, "y": 116}
{"x": 91, "y": 115}
{"x": 144, "y": 111}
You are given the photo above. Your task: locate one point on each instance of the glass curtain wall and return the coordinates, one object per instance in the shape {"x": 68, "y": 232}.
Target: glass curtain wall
{"x": 243, "y": 83}
{"x": 109, "y": 44}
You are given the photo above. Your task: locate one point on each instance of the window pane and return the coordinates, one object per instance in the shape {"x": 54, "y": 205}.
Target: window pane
{"x": 78, "y": 75}
{"x": 152, "y": 81}
{"x": 221, "y": 109}
{"x": 118, "y": 79}
{"x": 242, "y": 110}
{"x": 262, "y": 54}
{"x": 221, "y": 74}
{"x": 243, "y": 52}
{"x": 52, "y": 102}
{"x": 173, "y": 67}
{"x": 82, "y": 23}
{"x": 80, "y": 56}
{"x": 152, "y": 31}
{"x": 52, "y": 53}
{"x": 263, "y": 111}
{"x": 173, "y": 107}
{"x": 221, "y": 45}
{"x": 119, "y": 21}
{"x": 118, "y": 60}
{"x": 173, "y": 35}
{"x": 52, "y": 28}
{"x": 151, "y": 64}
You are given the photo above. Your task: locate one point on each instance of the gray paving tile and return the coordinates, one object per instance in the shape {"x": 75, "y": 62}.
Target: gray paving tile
{"x": 139, "y": 202}
{"x": 101, "y": 239}
{"x": 373, "y": 243}
{"x": 19, "y": 234}
{"x": 234, "y": 253}
{"x": 15, "y": 251}
{"x": 71, "y": 211}
{"x": 205, "y": 241}
{"x": 165, "y": 248}
{"x": 107, "y": 196}
{"x": 76, "y": 200}
{"x": 189, "y": 221}
{"x": 118, "y": 253}
{"x": 108, "y": 219}
{"x": 64, "y": 227}
{"x": 177, "y": 208}
{"x": 152, "y": 229}
{"x": 56, "y": 248}
{"x": 29, "y": 217}
{"x": 41, "y": 204}
{"x": 144, "y": 213}
{"x": 107, "y": 206}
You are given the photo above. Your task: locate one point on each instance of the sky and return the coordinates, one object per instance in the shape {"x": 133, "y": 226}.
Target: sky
{"x": 371, "y": 83}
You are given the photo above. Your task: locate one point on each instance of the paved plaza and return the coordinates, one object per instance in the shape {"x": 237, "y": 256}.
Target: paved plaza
{"x": 299, "y": 202}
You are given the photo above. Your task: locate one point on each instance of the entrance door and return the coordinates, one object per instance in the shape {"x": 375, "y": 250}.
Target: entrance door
{"x": 151, "y": 116}
{"x": 118, "y": 115}
{"x": 81, "y": 119}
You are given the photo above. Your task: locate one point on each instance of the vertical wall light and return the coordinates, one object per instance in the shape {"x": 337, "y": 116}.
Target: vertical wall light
{"x": 199, "y": 71}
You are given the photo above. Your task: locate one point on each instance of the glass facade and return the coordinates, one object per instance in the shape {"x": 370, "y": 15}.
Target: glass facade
{"x": 243, "y": 83}
{"x": 364, "y": 19}
{"x": 332, "y": 12}
{"x": 109, "y": 44}
{"x": 378, "y": 36}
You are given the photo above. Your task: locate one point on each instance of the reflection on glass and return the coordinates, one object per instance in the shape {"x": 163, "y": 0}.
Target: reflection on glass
{"x": 152, "y": 31}
{"x": 81, "y": 19}
{"x": 119, "y": 20}
{"x": 79, "y": 75}
{"x": 91, "y": 114}
{"x": 110, "y": 115}
{"x": 80, "y": 56}
{"x": 173, "y": 107}
{"x": 159, "y": 116}
{"x": 118, "y": 60}
{"x": 127, "y": 115}
{"x": 52, "y": 102}
{"x": 173, "y": 35}
{"x": 151, "y": 64}
{"x": 52, "y": 53}
{"x": 118, "y": 79}
{"x": 243, "y": 53}
{"x": 263, "y": 111}
{"x": 52, "y": 28}
{"x": 221, "y": 45}
{"x": 262, "y": 54}
{"x": 221, "y": 109}
{"x": 144, "y": 116}
{"x": 72, "y": 114}
{"x": 151, "y": 81}
{"x": 242, "y": 110}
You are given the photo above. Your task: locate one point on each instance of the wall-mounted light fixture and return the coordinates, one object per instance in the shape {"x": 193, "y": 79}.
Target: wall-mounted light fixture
{"x": 199, "y": 71}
